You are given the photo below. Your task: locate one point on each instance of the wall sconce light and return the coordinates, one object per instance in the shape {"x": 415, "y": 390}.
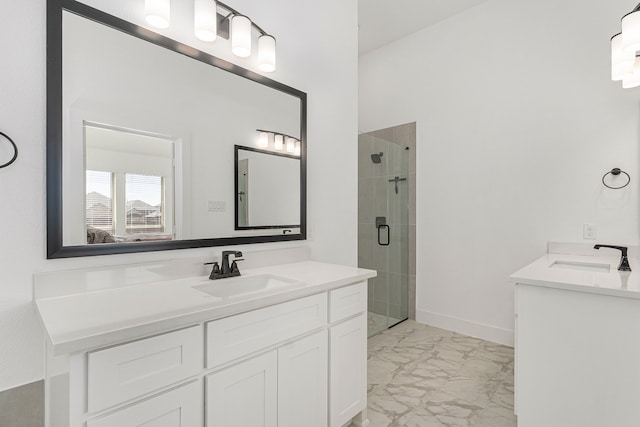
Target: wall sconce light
{"x": 625, "y": 65}
{"x": 157, "y": 13}
{"x": 280, "y": 141}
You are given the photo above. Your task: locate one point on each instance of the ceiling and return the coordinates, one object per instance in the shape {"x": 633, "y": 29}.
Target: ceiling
{"x": 383, "y": 21}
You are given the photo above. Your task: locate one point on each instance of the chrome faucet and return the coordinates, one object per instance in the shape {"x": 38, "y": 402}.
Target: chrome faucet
{"x": 226, "y": 270}
{"x": 624, "y": 261}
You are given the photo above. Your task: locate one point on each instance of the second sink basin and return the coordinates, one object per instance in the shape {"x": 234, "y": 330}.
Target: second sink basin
{"x": 582, "y": 266}
{"x": 244, "y": 286}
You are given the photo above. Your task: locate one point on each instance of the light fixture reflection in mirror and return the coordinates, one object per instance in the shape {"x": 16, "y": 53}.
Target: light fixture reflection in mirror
{"x": 263, "y": 140}
{"x": 278, "y": 142}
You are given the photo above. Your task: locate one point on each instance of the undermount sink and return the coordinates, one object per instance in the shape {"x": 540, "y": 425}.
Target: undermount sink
{"x": 243, "y": 286}
{"x": 582, "y": 266}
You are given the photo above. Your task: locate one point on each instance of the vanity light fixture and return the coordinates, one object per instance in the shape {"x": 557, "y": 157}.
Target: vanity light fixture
{"x": 625, "y": 64}
{"x": 157, "y": 13}
{"x": 205, "y": 20}
{"x": 241, "y": 36}
{"x": 267, "y": 53}
{"x": 231, "y": 24}
{"x": 297, "y": 149}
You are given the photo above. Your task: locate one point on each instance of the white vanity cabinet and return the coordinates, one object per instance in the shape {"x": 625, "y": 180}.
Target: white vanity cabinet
{"x": 577, "y": 358}
{"x": 300, "y": 362}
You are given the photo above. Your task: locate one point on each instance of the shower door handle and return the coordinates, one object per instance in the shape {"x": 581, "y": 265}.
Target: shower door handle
{"x": 380, "y": 227}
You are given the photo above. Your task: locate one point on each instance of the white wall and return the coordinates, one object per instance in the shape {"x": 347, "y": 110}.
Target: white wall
{"x": 517, "y": 121}
{"x": 308, "y": 55}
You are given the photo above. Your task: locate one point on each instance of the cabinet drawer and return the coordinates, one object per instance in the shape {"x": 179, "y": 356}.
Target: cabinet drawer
{"x": 347, "y": 301}
{"x": 237, "y": 336}
{"x": 176, "y": 408}
{"x": 127, "y": 371}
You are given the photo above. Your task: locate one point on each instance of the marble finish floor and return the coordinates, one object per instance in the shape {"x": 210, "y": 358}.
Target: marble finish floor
{"x": 377, "y": 323}
{"x": 424, "y": 376}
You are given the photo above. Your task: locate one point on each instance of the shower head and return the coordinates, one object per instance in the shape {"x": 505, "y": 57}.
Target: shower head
{"x": 376, "y": 158}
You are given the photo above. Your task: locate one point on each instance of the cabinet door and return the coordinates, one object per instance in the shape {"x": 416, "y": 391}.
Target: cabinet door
{"x": 176, "y": 408}
{"x": 302, "y": 382}
{"x": 348, "y": 370}
{"x": 244, "y": 395}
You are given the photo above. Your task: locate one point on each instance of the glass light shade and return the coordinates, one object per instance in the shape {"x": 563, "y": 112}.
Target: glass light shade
{"x": 631, "y": 32}
{"x": 267, "y": 53}
{"x": 241, "y": 36}
{"x": 157, "y": 13}
{"x": 291, "y": 145}
{"x": 633, "y": 80}
{"x": 621, "y": 61}
{"x": 205, "y": 20}
{"x": 297, "y": 150}
{"x": 278, "y": 142}
{"x": 263, "y": 140}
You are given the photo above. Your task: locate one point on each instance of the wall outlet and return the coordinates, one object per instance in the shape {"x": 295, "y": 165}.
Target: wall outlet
{"x": 589, "y": 231}
{"x": 216, "y": 206}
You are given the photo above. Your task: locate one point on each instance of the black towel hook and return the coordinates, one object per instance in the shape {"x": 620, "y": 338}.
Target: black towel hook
{"x": 15, "y": 150}
{"x": 616, "y": 172}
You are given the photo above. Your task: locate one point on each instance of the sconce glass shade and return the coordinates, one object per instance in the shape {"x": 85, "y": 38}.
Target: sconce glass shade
{"x": 278, "y": 142}
{"x": 633, "y": 80}
{"x": 631, "y": 32}
{"x": 157, "y": 13}
{"x": 621, "y": 61}
{"x": 267, "y": 53}
{"x": 205, "y": 20}
{"x": 241, "y": 36}
{"x": 263, "y": 140}
{"x": 297, "y": 149}
{"x": 291, "y": 145}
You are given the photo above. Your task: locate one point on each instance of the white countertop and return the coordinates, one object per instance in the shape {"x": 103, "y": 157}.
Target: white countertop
{"x": 89, "y": 320}
{"x": 613, "y": 282}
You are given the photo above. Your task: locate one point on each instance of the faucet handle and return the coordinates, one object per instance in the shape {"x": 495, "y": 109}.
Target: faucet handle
{"x": 234, "y": 266}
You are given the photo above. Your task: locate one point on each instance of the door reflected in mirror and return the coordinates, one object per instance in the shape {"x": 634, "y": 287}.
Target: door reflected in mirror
{"x": 267, "y": 187}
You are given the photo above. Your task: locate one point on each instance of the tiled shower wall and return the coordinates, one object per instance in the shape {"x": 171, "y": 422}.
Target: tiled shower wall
{"x": 373, "y": 179}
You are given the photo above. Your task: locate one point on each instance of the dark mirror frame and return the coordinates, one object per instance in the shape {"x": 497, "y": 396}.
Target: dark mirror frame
{"x": 235, "y": 186}
{"x": 55, "y": 248}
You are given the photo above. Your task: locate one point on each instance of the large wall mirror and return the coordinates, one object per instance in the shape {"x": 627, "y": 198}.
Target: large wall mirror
{"x": 145, "y": 138}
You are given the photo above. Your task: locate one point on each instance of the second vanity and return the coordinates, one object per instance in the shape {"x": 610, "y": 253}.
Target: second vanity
{"x": 280, "y": 346}
{"x": 577, "y": 339}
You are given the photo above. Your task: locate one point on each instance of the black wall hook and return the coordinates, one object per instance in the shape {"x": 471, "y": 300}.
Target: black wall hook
{"x": 15, "y": 150}
{"x": 616, "y": 172}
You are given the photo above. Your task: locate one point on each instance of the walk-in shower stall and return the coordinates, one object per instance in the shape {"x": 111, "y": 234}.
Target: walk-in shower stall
{"x": 383, "y": 224}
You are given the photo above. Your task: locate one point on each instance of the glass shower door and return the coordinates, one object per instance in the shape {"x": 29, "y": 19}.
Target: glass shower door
{"x": 383, "y": 217}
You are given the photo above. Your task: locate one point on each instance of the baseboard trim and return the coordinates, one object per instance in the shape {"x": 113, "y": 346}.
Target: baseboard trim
{"x": 466, "y": 327}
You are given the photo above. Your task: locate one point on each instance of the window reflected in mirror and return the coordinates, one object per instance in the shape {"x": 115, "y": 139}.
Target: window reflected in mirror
{"x": 129, "y": 186}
